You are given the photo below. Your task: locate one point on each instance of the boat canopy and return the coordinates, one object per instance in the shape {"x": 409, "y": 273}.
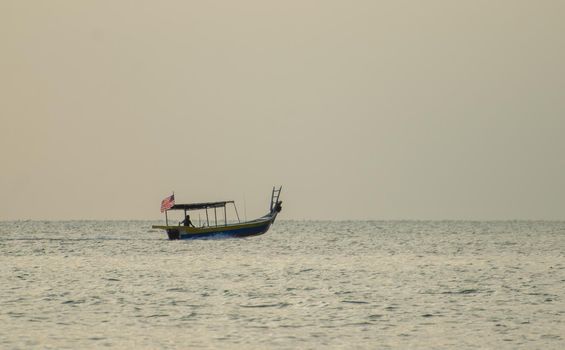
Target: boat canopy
{"x": 197, "y": 206}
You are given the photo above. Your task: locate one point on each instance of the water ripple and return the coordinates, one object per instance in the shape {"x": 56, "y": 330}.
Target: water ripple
{"x": 305, "y": 284}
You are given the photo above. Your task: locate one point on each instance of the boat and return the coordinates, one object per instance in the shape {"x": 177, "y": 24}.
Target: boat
{"x": 208, "y": 229}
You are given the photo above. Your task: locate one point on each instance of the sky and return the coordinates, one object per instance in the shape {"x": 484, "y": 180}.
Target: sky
{"x": 380, "y": 110}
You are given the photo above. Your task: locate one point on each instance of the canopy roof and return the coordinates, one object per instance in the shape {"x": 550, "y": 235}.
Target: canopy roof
{"x": 196, "y": 206}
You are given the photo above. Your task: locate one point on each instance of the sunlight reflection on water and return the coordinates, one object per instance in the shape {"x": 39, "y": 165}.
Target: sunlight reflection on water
{"x": 304, "y": 284}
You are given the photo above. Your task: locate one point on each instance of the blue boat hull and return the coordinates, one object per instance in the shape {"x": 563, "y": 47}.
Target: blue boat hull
{"x": 254, "y": 230}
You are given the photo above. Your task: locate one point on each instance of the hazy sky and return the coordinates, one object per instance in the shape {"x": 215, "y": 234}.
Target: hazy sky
{"x": 360, "y": 109}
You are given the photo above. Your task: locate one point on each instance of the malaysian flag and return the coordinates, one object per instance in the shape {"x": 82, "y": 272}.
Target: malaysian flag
{"x": 168, "y": 203}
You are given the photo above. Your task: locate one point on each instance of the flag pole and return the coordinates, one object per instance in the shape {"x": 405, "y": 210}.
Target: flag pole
{"x": 166, "y": 217}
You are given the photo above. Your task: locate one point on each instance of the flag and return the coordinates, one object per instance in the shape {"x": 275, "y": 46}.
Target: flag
{"x": 167, "y": 203}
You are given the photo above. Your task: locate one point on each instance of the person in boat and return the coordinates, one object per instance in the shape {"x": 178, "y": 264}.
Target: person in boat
{"x": 187, "y": 222}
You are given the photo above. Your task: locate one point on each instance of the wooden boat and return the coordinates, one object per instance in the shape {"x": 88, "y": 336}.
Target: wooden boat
{"x": 225, "y": 229}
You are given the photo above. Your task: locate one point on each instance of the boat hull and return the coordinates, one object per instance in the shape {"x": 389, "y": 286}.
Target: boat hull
{"x": 253, "y": 228}
{"x": 235, "y": 233}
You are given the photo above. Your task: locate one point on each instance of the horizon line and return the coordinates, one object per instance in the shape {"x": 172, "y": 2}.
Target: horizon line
{"x": 302, "y": 219}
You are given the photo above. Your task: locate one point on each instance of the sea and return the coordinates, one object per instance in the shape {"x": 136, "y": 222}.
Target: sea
{"x": 302, "y": 285}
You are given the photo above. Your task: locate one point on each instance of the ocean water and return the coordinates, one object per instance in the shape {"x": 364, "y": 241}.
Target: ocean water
{"x": 303, "y": 285}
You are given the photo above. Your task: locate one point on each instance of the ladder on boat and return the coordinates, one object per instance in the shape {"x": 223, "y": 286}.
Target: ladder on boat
{"x": 275, "y": 197}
